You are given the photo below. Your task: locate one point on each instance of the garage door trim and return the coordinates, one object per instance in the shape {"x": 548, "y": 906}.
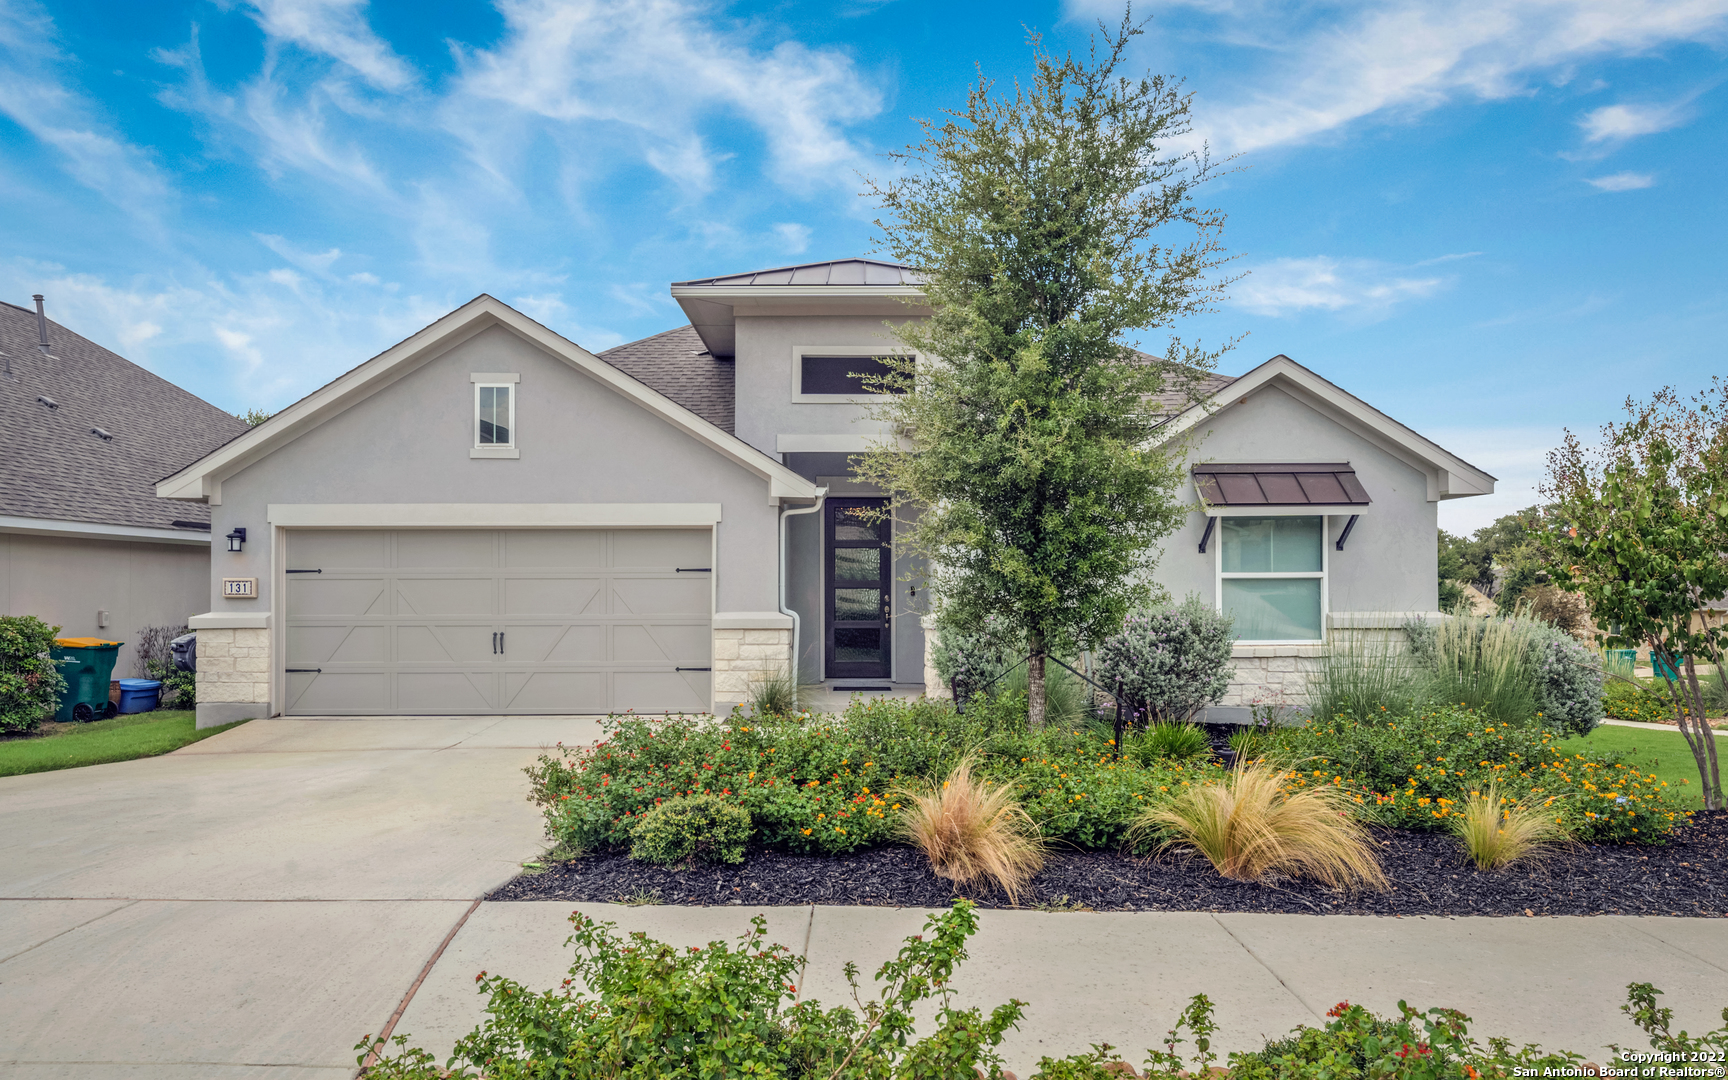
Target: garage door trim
{"x": 494, "y": 515}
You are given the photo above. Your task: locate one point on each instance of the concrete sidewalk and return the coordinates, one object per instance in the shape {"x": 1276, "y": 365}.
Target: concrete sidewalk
{"x": 1122, "y": 978}
{"x": 253, "y": 904}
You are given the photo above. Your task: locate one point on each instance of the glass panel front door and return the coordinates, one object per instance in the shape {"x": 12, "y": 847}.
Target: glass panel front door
{"x": 858, "y": 597}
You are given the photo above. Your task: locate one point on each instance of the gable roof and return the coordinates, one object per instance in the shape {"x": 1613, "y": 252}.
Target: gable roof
{"x": 203, "y": 478}
{"x": 843, "y": 272}
{"x": 677, "y": 364}
{"x": 52, "y": 467}
{"x": 1449, "y": 476}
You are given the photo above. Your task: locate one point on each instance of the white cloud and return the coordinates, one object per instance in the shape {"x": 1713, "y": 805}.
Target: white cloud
{"x": 337, "y": 29}
{"x": 312, "y": 263}
{"x": 1624, "y": 181}
{"x": 794, "y": 238}
{"x": 658, "y": 68}
{"x": 1619, "y": 122}
{"x": 34, "y": 96}
{"x": 1289, "y": 286}
{"x": 1403, "y": 57}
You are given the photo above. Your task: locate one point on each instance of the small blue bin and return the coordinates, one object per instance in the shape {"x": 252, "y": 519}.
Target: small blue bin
{"x": 139, "y": 695}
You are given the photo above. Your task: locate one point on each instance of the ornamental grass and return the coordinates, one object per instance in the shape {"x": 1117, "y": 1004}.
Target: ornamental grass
{"x": 1251, "y": 825}
{"x": 1497, "y": 833}
{"x": 972, "y": 830}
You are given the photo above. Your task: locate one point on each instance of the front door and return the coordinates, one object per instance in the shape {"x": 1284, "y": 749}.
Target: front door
{"x": 859, "y": 567}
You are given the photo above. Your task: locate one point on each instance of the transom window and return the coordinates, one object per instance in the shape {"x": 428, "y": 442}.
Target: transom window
{"x": 494, "y": 415}
{"x": 1272, "y": 577}
{"x": 840, "y": 375}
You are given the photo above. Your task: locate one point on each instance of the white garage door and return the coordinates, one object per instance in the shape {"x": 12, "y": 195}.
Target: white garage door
{"x": 497, "y": 621}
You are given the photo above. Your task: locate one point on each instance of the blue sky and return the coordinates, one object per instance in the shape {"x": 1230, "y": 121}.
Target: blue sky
{"x": 1490, "y": 218}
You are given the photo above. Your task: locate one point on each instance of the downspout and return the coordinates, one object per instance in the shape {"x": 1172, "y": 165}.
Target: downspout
{"x": 821, "y": 494}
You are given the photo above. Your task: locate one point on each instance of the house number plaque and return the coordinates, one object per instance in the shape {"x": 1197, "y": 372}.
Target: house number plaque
{"x": 240, "y": 588}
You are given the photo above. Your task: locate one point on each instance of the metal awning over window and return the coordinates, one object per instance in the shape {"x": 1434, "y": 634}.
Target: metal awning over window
{"x": 1280, "y": 484}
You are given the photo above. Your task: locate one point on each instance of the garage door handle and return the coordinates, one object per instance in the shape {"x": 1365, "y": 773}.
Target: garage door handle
{"x": 692, "y": 569}
{"x": 304, "y": 571}
{"x": 304, "y": 670}
{"x": 693, "y": 669}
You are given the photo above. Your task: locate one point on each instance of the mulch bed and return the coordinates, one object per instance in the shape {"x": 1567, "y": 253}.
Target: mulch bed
{"x": 1428, "y": 872}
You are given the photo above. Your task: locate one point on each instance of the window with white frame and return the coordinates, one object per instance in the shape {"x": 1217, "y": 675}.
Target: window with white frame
{"x": 494, "y": 415}
{"x": 1272, "y": 577}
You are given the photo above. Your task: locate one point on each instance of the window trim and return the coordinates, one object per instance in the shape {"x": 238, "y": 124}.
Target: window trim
{"x": 1324, "y": 574}
{"x": 873, "y": 349}
{"x": 493, "y": 380}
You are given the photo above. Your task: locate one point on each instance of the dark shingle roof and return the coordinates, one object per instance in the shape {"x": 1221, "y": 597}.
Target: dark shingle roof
{"x": 1180, "y": 393}
{"x": 51, "y": 466}
{"x": 676, "y": 364}
{"x": 833, "y": 272}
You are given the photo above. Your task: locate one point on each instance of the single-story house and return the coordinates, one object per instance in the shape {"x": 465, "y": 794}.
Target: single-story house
{"x": 489, "y": 518}
{"x": 85, "y": 544}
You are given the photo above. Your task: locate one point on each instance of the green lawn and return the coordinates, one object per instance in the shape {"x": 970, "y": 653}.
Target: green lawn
{"x": 1661, "y": 752}
{"x": 67, "y": 746}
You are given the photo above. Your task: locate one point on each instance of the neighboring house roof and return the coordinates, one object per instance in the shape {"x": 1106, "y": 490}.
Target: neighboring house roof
{"x": 53, "y": 469}
{"x": 678, "y": 365}
{"x": 834, "y": 272}
{"x": 1178, "y": 393}
{"x": 203, "y": 478}
{"x": 1449, "y": 476}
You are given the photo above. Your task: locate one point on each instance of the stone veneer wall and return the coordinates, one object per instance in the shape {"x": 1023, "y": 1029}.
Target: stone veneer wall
{"x": 233, "y": 675}
{"x": 934, "y": 687}
{"x": 745, "y": 658}
{"x": 1279, "y": 674}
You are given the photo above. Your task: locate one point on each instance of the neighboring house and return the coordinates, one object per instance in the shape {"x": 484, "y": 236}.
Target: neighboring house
{"x": 85, "y": 544}
{"x": 488, "y": 518}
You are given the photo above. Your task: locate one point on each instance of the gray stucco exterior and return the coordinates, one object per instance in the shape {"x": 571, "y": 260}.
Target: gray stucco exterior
{"x": 394, "y": 441}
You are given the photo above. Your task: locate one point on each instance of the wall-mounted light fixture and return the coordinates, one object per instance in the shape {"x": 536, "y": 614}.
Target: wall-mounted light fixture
{"x": 236, "y": 539}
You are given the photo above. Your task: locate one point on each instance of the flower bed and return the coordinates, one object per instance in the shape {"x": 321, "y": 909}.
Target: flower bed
{"x": 1411, "y": 772}
{"x": 825, "y": 785}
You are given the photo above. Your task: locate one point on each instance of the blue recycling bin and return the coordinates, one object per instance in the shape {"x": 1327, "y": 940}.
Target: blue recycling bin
{"x": 139, "y": 695}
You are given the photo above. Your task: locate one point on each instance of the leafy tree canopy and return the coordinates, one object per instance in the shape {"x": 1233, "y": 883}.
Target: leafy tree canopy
{"x": 1051, "y": 226}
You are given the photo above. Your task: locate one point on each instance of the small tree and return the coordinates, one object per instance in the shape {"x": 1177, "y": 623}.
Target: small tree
{"x": 1640, "y": 527}
{"x": 1048, "y": 226}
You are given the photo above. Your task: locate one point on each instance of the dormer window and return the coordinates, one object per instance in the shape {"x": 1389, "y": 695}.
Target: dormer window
{"x": 494, "y": 415}
{"x": 836, "y": 374}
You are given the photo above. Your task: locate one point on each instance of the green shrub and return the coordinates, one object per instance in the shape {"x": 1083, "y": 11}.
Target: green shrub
{"x": 1067, "y": 700}
{"x": 1172, "y": 661}
{"x": 1415, "y": 772}
{"x": 691, "y": 827}
{"x": 1624, "y": 699}
{"x": 30, "y": 679}
{"x": 637, "y": 1009}
{"x": 1569, "y": 681}
{"x": 1168, "y": 739}
{"x": 970, "y": 657}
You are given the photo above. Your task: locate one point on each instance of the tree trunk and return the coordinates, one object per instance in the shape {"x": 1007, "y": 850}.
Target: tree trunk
{"x": 1035, "y": 684}
{"x": 1689, "y": 716}
{"x": 1701, "y": 738}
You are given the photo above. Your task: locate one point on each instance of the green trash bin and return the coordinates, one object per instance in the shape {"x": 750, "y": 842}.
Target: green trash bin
{"x": 86, "y": 663}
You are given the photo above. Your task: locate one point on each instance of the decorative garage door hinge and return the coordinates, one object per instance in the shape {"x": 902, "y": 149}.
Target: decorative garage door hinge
{"x": 304, "y": 670}
{"x": 305, "y": 571}
{"x": 692, "y": 569}
{"x": 693, "y": 669}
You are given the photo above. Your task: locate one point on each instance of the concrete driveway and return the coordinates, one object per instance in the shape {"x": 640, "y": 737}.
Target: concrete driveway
{"x": 251, "y": 905}
{"x": 254, "y": 903}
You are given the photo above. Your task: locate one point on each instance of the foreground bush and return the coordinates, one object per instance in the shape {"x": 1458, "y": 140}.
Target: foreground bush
{"x": 30, "y": 679}
{"x": 1251, "y": 825}
{"x": 1171, "y": 661}
{"x": 637, "y": 1009}
{"x": 972, "y": 830}
{"x": 1413, "y": 772}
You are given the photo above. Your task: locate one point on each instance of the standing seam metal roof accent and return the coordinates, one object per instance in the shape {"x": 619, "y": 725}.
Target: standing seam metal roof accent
{"x": 835, "y": 272}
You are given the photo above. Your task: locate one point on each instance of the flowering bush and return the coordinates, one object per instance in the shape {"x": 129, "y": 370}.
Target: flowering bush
{"x": 1414, "y": 771}
{"x": 1623, "y": 700}
{"x": 1172, "y": 661}
{"x": 821, "y": 784}
{"x": 30, "y": 679}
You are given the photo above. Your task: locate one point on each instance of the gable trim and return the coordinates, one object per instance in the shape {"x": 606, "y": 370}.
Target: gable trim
{"x": 1448, "y": 476}
{"x": 203, "y": 478}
